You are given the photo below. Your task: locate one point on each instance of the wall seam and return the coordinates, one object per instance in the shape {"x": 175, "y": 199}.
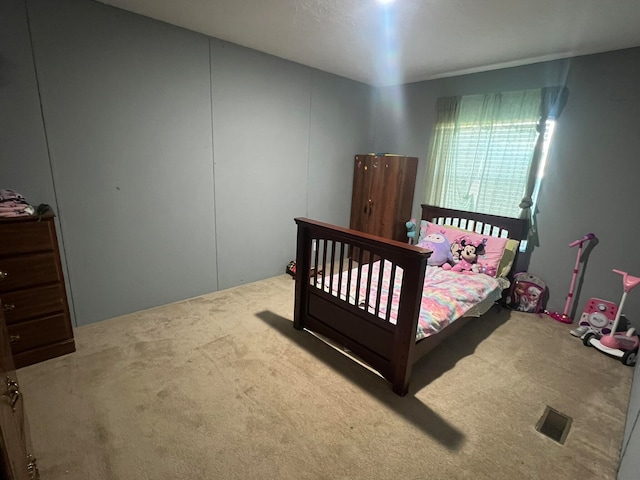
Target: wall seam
{"x": 213, "y": 168}
{"x": 59, "y": 214}
{"x": 311, "y": 80}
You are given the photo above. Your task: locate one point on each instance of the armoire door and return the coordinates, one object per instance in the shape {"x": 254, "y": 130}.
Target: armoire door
{"x": 362, "y": 177}
{"x": 13, "y": 447}
{"x": 383, "y": 187}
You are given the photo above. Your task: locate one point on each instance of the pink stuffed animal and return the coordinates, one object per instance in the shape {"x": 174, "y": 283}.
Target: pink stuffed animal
{"x": 440, "y": 248}
{"x": 469, "y": 252}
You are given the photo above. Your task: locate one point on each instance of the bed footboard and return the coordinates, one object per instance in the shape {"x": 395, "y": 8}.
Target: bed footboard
{"x": 338, "y": 294}
{"x": 335, "y": 270}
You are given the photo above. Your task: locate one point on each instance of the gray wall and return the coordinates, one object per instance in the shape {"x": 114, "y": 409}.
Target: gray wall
{"x": 261, "y": 145}
{"x": 178, "y": 161}
{"x": 23, "y": 148}
{"x": 591, "y": 177}
{"x": 592, "y": 169}
{"x": 284, "y": 141}
{"x": 24, "y": 158}
{"x": 127, "y": 110}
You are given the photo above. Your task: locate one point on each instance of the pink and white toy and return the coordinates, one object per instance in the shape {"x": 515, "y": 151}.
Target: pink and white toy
{"x": 623, "y": 345}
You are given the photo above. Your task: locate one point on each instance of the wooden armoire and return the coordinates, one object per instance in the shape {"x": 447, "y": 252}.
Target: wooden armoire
{"x": 382, "y": 198}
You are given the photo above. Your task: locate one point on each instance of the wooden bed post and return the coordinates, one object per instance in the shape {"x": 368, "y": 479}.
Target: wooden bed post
{"x": 406, "y": 326}
{"x": 303, "y": 266}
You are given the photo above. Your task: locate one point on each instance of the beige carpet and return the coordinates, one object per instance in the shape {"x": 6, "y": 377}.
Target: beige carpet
{"x": 223, "y": 387}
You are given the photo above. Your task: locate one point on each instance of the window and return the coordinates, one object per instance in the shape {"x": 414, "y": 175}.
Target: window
{"x": 487, "y": 152}
{"x": 494, "y": 179}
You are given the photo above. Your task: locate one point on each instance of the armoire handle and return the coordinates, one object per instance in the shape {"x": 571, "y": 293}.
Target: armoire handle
{"x": 32, "y": 468}
{"x": 12, "y": 393}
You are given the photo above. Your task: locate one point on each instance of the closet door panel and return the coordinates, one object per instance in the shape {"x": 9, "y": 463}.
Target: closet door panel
{"x": 385, "y": 215}
{"x": 405, "y": 184}
{"x": 383, "y": 187}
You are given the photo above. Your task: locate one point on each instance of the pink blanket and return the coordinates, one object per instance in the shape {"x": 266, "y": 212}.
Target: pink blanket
{"x": 446, "y": 296}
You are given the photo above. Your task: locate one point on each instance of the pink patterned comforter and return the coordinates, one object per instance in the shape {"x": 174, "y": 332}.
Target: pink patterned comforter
{"x": 446, "y": 296}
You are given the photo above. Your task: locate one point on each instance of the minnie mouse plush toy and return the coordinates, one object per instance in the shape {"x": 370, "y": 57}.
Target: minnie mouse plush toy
{"x": 469, "y": 253}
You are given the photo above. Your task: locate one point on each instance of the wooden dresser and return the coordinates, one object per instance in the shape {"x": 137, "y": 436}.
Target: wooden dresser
{"x": 32, "y": 290}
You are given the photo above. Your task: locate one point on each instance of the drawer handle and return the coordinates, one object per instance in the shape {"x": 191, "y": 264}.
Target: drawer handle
{"x": 14, "y": 338}
{"x": 12, "y": 393}
{"x": 7, "y": 307}
{"x": 3, "y": 275}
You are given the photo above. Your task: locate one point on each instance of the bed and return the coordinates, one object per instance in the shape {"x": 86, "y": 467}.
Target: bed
{"x": 380, "y": 300}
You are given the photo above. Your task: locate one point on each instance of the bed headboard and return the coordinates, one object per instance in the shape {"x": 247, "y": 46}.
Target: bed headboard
{"x": 485, "y": 224}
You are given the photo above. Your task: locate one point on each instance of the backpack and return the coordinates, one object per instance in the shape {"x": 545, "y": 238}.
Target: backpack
{"x": 526, "y": 293}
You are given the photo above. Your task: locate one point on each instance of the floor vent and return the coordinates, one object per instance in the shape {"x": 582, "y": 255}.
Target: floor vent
{"x": 554, "y": 425}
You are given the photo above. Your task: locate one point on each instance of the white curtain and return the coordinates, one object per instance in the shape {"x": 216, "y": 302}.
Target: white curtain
{"x": 552, "y": 102}
{"x": 481, "y": 151}
{"x": 440, "y": 149}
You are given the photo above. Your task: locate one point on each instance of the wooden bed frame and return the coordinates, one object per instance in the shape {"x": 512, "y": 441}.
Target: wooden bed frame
{"x": 324, "y": 250}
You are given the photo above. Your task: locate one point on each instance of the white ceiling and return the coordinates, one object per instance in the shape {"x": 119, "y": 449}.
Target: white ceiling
{"x": 407, "y": 40}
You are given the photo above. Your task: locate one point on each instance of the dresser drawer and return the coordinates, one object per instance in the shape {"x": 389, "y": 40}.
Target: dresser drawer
{"x": 28, "y": 270}
{"x": 32, "y": 290}
{"x": 26, "y": 237}
{"x": 33, "y": 302}
{"x": 37, "y": 333}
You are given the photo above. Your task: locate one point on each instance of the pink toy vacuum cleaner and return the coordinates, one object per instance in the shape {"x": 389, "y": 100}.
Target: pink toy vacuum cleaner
{"x": 623, "y": 345}
{"x": 564, "y": 316}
